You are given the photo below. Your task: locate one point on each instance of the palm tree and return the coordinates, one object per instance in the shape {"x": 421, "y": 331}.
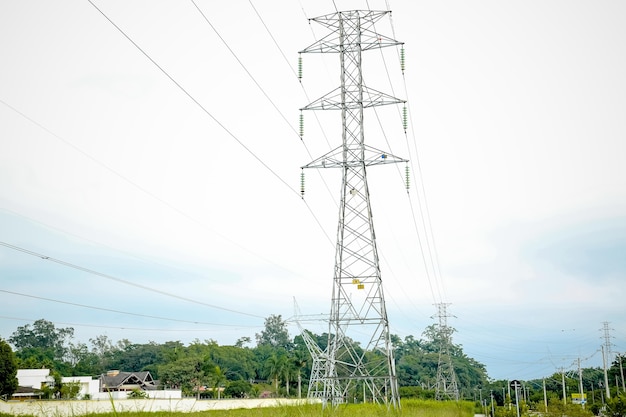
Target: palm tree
{"x": 275, "y": 366}
{"x": 289, "y": 370}
{"x": 300, "y": 362}
{"x": 218, "y": 377}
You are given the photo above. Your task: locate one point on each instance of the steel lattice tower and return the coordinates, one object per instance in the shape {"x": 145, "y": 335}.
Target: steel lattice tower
{"x": 358, "y": 304}
{"x": 318, "y": 357}
{"x": 446, "y": 387}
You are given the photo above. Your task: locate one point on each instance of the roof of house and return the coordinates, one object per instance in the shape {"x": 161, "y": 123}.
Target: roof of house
{"x": 25, "y": 392}
{"x": 120, "y": 379}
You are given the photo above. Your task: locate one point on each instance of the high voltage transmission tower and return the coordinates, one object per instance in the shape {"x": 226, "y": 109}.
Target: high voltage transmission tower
{"x": 358, "y": 313}
{"x": 606, "y": 355}
{"x": 446, "y": 386}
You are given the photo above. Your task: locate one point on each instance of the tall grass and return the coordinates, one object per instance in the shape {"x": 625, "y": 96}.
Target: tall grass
{"x": 410, "y": 408}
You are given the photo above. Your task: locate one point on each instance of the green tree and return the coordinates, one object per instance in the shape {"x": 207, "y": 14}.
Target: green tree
{"x": 8, "y": 370}
{"x": 42, "y": 336}
{"x": 616, "y": 406}
{"x": 185, "y": 373}
{"x": 238, "y": 389}
{"x": 289, "y": 373}
{"x": 242, "y": 341}
{"x": 53, "y": 390}
{"x": 238, "y": 361}
{"x": 275, "y": 367}
{"x": 138, "y": 357}
{"x": 275, "y": 333}
{"x": 217, "y": 377}
{"x": 70, "y": 390}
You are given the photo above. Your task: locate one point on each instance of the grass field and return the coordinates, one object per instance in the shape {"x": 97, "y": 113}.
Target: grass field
{"x": 410, "y": 408}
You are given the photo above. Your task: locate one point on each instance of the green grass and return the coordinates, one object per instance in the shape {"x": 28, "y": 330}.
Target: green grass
{"x": 410, "y": 408}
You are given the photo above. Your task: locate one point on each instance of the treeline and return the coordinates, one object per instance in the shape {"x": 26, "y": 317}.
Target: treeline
{"x": 276, "y": 364}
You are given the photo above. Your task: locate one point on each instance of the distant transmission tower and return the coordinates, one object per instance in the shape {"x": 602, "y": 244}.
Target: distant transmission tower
{"x": 318, "y": 357}
{"x": 358, "y": 306}
{"x": 606, "y": 356}
{"x": 446, "y": 387}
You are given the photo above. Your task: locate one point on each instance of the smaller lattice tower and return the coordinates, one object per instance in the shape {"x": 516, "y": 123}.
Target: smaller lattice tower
{"x": 319, "y": 358}
{"x": 606, "y": 356}
{"x": 607, "y": 341}
{"x": 446, "y": 387}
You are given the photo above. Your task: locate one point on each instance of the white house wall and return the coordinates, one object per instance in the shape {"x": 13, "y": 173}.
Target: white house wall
{"x": 34, "y": 377}
{"x": 88, "y": 385}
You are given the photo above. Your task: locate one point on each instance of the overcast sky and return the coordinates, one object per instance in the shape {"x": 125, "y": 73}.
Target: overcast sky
{"x": 164, "y": 185}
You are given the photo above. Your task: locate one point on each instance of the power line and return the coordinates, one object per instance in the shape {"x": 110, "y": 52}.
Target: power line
{"x": 204, "y": 109}
{"x": 132, "y": 255}
{"x": 110, "y": 310}
{"x": 123, "y": 281}
{"x": 273, "y": 39}
{"x": 267, "y": 29}
{"x": 137, "y": 186}
{"x": 244, "y": 67}
{"x": 232, "y": 135}
{"x": 424, "y": 212}
{"x": 263, "y": 90}
{"x": 99, "y": 326}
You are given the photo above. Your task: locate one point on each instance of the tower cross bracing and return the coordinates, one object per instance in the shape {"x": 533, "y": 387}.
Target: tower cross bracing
{"x": 446, "y": 387}
{"x": 354, "y": 364}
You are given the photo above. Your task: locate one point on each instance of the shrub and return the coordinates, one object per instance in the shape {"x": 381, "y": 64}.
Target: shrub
{"x": 136, "y": 393}
{"x": 238, "y": 389}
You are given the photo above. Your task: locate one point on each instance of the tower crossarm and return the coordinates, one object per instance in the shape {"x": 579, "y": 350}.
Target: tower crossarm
{"x": 336, "y": 99}
{"x": 372, "y": 156}
{"x": 340, "y": 22}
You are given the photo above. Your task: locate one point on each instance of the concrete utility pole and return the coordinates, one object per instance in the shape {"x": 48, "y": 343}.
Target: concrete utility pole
{"x": 580, "y": 384}
{"x": 621, "y": 371}
{"x": 606, "y": 375}
{"x": 563, "y": 383}
{"x": 358, "y": 311}
{"x": 545, "y": 396}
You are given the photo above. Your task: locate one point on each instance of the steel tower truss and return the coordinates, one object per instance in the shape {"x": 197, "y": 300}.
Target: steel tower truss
{"x": 318, "y": 357}
{"x": 446, "y": 388}
{"x": 354, "y": 364}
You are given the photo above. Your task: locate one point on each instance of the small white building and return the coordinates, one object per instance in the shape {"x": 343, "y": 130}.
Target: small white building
{"x": 30, "y": 382}
{"x": 114, "y": 385}
{"x": 34, "y": 378}
{"x": 88, "y": 385}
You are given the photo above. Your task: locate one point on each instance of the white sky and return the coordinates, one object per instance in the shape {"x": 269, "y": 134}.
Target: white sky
{"x": 517, "y": 111}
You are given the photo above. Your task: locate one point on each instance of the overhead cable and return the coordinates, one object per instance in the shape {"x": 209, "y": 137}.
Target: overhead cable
{"x": 110, "y": 310}
{"x": 123, "y": 281}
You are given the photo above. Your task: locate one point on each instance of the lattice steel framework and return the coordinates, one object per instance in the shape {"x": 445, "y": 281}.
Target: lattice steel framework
{"x": 358, "y": 304}
{"x": 318, "y": 358}
{"x": 446, "y": 387}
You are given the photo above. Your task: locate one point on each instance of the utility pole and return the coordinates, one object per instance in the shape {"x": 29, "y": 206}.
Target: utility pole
{"x": 606, "y": 375}
{"x": 545, "y": 396}
{"x": 606, "y": 355}
{"x": 580, "y": 384}
{"x": 563, "y": 383}
{"x": 358, "y": 312}
{"x": 621, "y": 371}
{"x": 516, "y": 386}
